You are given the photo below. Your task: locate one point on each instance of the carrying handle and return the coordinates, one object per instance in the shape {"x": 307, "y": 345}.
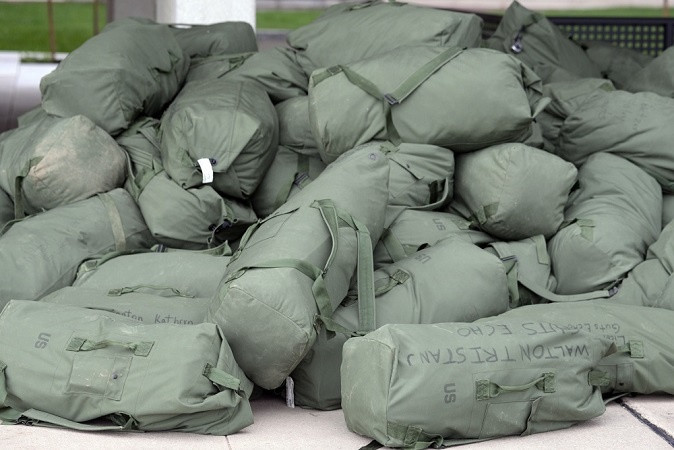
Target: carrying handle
{"x": 222, "y": 379}
{"x": 130, "y": 289}
{"x": 37, "y": 417}
{"x": 78, "y": 344}
{"x": 485, "y": 389}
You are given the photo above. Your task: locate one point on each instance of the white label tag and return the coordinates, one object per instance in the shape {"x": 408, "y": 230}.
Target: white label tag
{"x": 206, "y": 170}
{"x": 290, "y": 393}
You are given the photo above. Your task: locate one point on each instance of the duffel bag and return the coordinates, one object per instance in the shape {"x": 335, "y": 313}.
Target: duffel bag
{"x": 297, "y": 264}
{"x": 41, "y": 253}
{"x": 417, "y": 386}
{"x": 65, "y": 366}
{"x": 451, "y": 281}
{"x": 618, "y": 64}
{"x": 221, "y": 38}
{"x": 655, "y": 77}
{"x": 294, "y": 126}
{"x": 402, "y": 96}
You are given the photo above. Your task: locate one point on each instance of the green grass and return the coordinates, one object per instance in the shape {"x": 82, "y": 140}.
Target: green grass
{"x": 23, "y": 26}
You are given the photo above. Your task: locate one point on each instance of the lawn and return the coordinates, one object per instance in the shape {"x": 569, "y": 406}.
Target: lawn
{"x": 24, "y": 26}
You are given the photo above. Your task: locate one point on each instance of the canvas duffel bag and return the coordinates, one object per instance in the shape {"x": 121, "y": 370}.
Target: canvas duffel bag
{"x": 414, "y": 229}
{"x": 196, "y": 218}
{"x": 539, "y": 43}
{"x": 290, "y": 172}
{"x": 656, "y": 76}
{"x": 513, "y": 191}
{"x": 65, "y": 366}
{"x": 323, "y": 42}
{"x": 129, "y": 69}
{"x": 219, "y": 133}
{"x": 641, "y": 335}
{"x": 294, "y": 127}
{"x": 417, "y": 386}
{"x": 140, "y": 303}
{"x": 221, "y": 38}
{"x": 49, "y": 162}
{"x": 298, "y": 264}
{"x": 401, "y": 96}
{"x": 618, "y": 64}
{"x": 451, "y": 281}
{"x": 611, "y": 220}
{"x": 158, "y": 271}
{"x": 211, "y": 67}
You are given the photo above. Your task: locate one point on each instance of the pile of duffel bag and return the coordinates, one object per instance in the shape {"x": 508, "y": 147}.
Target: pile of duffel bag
{"x": 452, "y": 238}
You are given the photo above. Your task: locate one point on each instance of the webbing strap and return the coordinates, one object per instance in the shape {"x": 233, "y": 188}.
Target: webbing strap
{"x": 444, "y": 196}
{"x": 541, "y": 249}
{"x": 77, "y": 344}
{"x": 19, "y": 210}
{"x": 551, "y": 296}
{"x": 393, "y": 246}
{"x": 37, "y": 417}
{"x": 130, "y": 289}
{"x": 395, "y": 279}
{"x": 485, "y": 389}
{"x": 222, "y": 379}
{"x": 634, "y": 348}
{"x": 412, "y": 437}
{"x": 115, "y": 221}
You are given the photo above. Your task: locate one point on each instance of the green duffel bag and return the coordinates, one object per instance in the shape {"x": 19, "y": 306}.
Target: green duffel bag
{"x": 539, "y": 43}
{"x": 221, "y": 38}
{"x": 441, "y": 283}
{"x": 189, "y": 273}
{"x": 611, "y": 219}
{"x": 290, "y": 172}
{"x": 49, "y": 162}
{"x": 656, "y": 76}
{"x": 196, "y": 218}
{"x": 417, "y": 386}
{"x": 415, "y": 229}
{"x": 641, "y": 335}
{"x": 6, "y": 209}
{"x": 41, "y": 253}
{"x": 211, "y": 67}
{"x": 275, "y": 70}
{"x": 401, "y": 95}
{"x": 294, "y": 127}
{"x": 129, "y": 69}
{"x": 323, "y": 42}
{"x": 632, "y": 125}
{"x": 220, "y": 133}
{"x": 298, "y": 263}
{"x": 139, "y": 303}
{"x": 513, "y": 191}
{"x": 566, "y": 97}
{"x": 618, "y": 64}
{"x": 64, "y": 366}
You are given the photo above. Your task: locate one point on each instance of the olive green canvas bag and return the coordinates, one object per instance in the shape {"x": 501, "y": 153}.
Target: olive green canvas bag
{"x": 161, "y": 305}
{"x": 298, "y": 263}
{"x": 618, "y": 64}
{"x": 294, "y": 127}
{"x": 414, "y": 229}
{"x": 220, "y": 38}
{"x": 42, "y": 253}
{"x": 49, "y": 162}
{"x": 401, "y": 95}
{"x": 418, "y": 386}
{"x": 513, "y": 191}
{"x": 130, "y": 69}
{"x": 220, "y": 133}
{"x": 656, "y": 76}
{"x": 441, "y": 283}
{"x": 611, "y": 219}
{"x": 65, "y": 366}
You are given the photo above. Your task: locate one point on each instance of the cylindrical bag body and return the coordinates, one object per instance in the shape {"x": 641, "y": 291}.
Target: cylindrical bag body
{"x": 538, "y": 42}
{"x": 421, "y": 177}
{"x": 130, "y": 69}
{"x": 191, "y": 273}
{"x": 634, "y": 126}
{"x": 294, "y": 126}
{"x": 80, "y": 364}
{"x": 142, "y": 306}
{"x": 290, "y": 172}
{"x": 612, "y": 218}
{"x": 220, "y": 133}
{"x": 275, "y": 70}
{"x": 513, "y": 191}
{"x": 403, "y": 94}
{"x": 51, "y": 162}
{"x": 323, "y": 42}
{"x": 298, "y": 263}
{"x": 656, "y": 76}
{"x": 41, "y": 253}
{"x": 414, "y": 229}
{"x": 642, "y": 364}
{"x": 414, "y": 386}
{"x": 221, "y": 38}
{"x": 618, "y": 64}
{"x": 212, "y": 67}
{"x": 451, "y": 281}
